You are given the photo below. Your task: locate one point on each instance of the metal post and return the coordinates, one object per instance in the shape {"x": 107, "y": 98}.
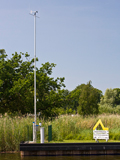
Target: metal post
{"x": 35, "y": 74}
{"x": 49, "y": 133}
{"x": 42, "y": 134}
{"x": 34, "y": 133}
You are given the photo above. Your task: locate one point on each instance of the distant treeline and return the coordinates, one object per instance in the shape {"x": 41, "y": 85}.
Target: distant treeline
{"x": 17, "y": 91}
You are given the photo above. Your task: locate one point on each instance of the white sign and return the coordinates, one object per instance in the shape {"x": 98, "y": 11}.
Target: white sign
{"x": 101, "y": 134}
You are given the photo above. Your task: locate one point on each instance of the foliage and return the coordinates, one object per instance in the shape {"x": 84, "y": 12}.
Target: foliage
{"x": 117, "y": 97}
{"x": 108, "y": 109}
{"x": 17, "y": 86}
{"x": 81, "y": 128}
{"x": 73, "y": 98}
{"x": 13, "y": 131}
{"x": 109, "y": 97}
{"x": 88, "y": 100}
{"x": 49, "y": 93}
{"x": 17, "y": 129}
{"x": 110, "y": 102}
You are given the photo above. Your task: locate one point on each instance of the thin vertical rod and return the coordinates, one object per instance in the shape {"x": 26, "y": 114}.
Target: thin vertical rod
{"x": 35, "y": 75}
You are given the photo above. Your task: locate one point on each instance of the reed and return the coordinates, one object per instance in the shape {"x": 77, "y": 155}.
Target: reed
{"x": 67, "y": 127}
{"x": 79, "y": 128}
{"x": 13, "y": 131}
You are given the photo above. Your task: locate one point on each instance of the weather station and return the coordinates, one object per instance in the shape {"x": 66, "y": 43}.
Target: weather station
{"x": 54, "y": 149}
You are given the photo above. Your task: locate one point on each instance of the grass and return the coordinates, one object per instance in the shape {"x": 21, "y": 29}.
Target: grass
{"x": 79, "y": 128}
{"x": 66, "y": 129}
{"x": 83, "y": 141}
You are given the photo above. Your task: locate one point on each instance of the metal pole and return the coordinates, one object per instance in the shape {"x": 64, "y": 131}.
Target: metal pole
{"x": 42, "y": 134}
{"x": 34, "y": 126}
{"x": 35, "y": 74}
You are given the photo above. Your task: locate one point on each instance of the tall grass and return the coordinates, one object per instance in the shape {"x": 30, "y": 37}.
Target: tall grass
{"x": 13, "y": 131}
{"x": 17, "y": 129}
{"x": 79, "y": 128}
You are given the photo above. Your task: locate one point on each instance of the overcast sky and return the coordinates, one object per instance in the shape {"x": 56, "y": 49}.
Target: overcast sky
{"x": 81, "y": 36}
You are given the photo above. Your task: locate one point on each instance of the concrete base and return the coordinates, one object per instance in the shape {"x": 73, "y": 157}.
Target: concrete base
{"x": 65, "y": 149}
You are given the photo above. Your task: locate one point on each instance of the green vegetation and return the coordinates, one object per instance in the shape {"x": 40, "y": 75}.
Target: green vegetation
{"x": 110, "y": 102}
{"x": 17, "y": 91}
{"x": 55, "y": 104}
{"x": 17, "y": 86}
{"x": 66, "y": 128}
{"x": 88, "y": 100}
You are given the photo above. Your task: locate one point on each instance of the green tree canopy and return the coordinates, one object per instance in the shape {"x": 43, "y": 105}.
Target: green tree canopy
{"x": 88, "y": 100}
{"x": 17, "y": 86}
{"x": 73, "y": 97}
{"x": 111, "y": 97}
{"x": 117, "y": 97}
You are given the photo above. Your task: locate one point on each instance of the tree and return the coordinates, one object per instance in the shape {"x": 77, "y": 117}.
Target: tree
{"x": 110, "y": 98}
{"x": 17, "y": 86}
{"x": 73, "y": 97}
{"x": 88, "y": 100}
{"x": 49, "y": 93}
{"x": 117, "y": 97}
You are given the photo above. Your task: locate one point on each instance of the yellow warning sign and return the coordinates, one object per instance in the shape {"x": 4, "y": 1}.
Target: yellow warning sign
{"x": 100, "y": 122}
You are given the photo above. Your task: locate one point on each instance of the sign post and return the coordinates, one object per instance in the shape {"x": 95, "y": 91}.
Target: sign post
{"x": 100, "y": 134}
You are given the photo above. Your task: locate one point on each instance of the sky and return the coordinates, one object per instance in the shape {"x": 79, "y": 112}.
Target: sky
{"x": 82, "y": 37}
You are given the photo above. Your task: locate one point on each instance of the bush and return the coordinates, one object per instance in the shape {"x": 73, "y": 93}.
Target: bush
{"x": 106, "y": 109}
{"x": 109, "y": 109}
